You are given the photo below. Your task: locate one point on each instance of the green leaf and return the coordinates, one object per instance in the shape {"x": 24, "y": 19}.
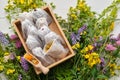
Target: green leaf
{"x": 102, "y": 77}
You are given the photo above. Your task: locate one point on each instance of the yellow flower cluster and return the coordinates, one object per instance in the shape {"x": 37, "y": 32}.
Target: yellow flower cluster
{"x": 93, "y": 58}
{"x": 82, "y": 6}
{"x": 18, "y": 58}
{"x": 76, "y": 46}
{"x": 113, "y": 67}
{"x": 6, "y": 54}
{"x": 10, "y": 71}
{"x": 112, "y": 26}
{"x": 1, "y": 68}
{"x": 73, "y": 16}
{"x": 88, "y": 48}
{"x": 22, "y": 1}
{"x": 83, "y": 33}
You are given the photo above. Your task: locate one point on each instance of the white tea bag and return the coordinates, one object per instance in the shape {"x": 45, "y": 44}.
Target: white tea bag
{"x": 33, "y": 42}
{"x": 41, "y": 22}
{"x": 42, "y": 32}
{"x": 46, "y": 60}
{"x": 55, "y": 49}
{"x": 38, "y": 13}
{"x": 26, "y": 15}
{"x": 51, "y": 36}
{"x": 25, "y": 26}
{"x": 32, "y": 30}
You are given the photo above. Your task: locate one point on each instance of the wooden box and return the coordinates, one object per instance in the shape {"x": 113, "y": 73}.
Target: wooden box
{"x": 54, "y": 26}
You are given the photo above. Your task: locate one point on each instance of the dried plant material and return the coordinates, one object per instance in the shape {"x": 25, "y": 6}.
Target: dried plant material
{"x": 55, "y": 49}
{"x": 45, "y": 59}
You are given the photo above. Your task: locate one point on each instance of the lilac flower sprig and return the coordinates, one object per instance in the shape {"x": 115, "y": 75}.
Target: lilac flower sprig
{"x": 24, "y": 64}
{"x": 20, "y": 77}
{"x": 3, "y": 39}
{"x": 76, "y": 37}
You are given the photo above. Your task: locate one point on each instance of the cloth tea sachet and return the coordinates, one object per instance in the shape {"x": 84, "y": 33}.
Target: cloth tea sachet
{"x": 26, "y": 15}
{"x": 38, "y": 13}
{"x": 51, "y": 36}
{"x": 26, "y": 24}
{"x": 41, "y": 22}
{"x": 45, "y": 59}
{"x": 55, "y": 49}
{"x": 33, "y": 42}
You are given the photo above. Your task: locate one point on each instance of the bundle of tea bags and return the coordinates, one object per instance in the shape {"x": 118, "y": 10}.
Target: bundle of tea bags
{"x": 45, "y": 44}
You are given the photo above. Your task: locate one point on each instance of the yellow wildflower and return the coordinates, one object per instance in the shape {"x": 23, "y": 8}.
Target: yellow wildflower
{"x": 86, "y": 49}
{"x": 73, "y": 16}
{"x": 18, "y": 58}
{"x": 93, "y": 59}
{"x": 82, "y": 51}
{"x": 90, "y": 47}
{"x": 81, "y": 4}
{"x": 94, "y": 54}
{"x": 22, "y": 1}
{"x": 29, "y": 2}
{"x": 84, "y": 33}
{"x": 75, "y": 46}
{"x": 113, "y": 66}
{"x": 6, "y": 54}
{"x": 86, "y": 56}
{"x": 10, "y": 71}
{"x": 1, "y": 68}
{"x": 118, "y": 67}
{"x": 112, "y": 26}
{"x": 112, "y": 73}
{"x": 34, "y": 6}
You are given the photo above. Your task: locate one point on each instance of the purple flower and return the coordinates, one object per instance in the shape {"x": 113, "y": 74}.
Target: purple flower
{"x": 76, "y": 37}
{"x": 24, "y": 64}
{"x": 3, "y": 39}
{"x": 73, "y": 38}
{"x": 110, "y": 47}
{"x": 20, "y": 77}
{"x": 101, "y": 38}
{"x": 13, "y": 37}
{"x": 118, "y": 42}
{"x": 12, "y": 56}
{"x": 102, "y": 62}
{"x": 18, "y": 44}
{"x": 80, "y": 30}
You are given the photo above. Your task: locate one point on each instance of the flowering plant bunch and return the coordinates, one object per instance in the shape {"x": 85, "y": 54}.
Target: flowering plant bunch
{"x": 89, "y": 34}
{"x": 12, "y": 63}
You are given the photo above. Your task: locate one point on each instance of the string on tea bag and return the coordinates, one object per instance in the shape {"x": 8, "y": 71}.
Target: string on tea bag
{"x": 38, "y": 13}
{"x": 55, "y": 49}
{"x": 41, "y": 22}
{"x": 46, "y": 60}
